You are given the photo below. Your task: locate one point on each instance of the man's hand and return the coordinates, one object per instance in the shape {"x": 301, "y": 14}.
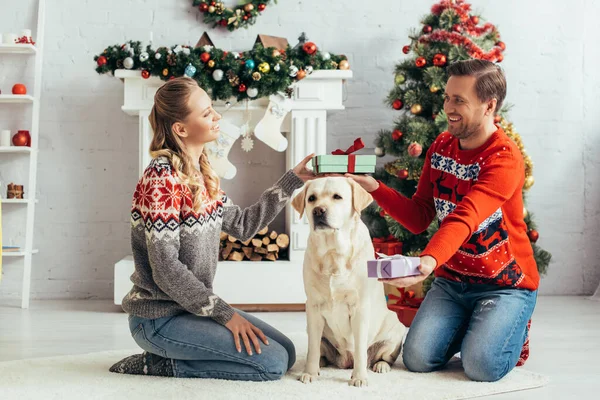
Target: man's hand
{"x": 302, "y": 172}
{"x": 427, "y": 266}
{"x": 240, "y": 326}
{"x": 367, "y": 182}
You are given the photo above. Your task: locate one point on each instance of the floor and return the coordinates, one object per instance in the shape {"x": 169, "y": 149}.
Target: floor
{"x": 565, "y": 338}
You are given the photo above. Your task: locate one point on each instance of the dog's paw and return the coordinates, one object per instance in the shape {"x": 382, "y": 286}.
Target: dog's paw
{"x": 382, "y": 367}
{"x": 358, "y": 382}
{"x": 308, "y": 378}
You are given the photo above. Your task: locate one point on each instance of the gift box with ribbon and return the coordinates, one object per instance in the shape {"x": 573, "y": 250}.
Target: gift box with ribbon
{"x": 387, "y": 245}
{"x": 342, "y": 161}
{"x": 396, "y": 266}
{"x": 405, "y": 302}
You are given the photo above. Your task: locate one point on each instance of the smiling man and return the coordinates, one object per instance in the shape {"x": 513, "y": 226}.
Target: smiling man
{"x": 486, "y": 276}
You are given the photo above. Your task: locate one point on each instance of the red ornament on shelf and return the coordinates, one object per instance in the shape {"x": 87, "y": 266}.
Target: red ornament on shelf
{"x": 203, "y": 7}
{"x": 420, "y": 62}
{"x": 403, "y": 174}
{"x": 475, "y": 19}
{"x": 397, "y": 104}
{"x": 397, "y": 135}
{"x": 415, "y": 149}
{"x": 242, "y": 87}
{"x": 145, "y": 74}
{"x": 262, "y": 6}
{"x": 21, "y": 138}
{"x": 101, "y": 61}
{"x": 439, "y": 60}
{"x": 309, "y": 48}
{"x": 502, "y": 45}
{"x": 19, "y": 88}
{"x": 533, "y": 235}
{"x": 204, "y": 57}
{"x": 223, "y": 22}
{"x": 406, "y": 49}
{"x": 427, "y": 29}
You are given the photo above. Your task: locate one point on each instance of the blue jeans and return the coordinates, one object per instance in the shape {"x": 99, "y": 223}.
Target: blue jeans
{"x": 487, "y": 324}
{"x": 203, "y": 348}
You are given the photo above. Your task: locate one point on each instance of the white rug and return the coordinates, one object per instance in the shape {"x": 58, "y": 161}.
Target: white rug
{"x": 86, "y": 377}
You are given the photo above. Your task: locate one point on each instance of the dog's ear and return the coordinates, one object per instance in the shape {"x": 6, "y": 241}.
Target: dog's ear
{"x": 298, "y": 202}
{"x": 360, "y": 197}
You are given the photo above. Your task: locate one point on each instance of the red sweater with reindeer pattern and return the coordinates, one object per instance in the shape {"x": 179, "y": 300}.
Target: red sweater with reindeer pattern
{"x": 476, "y": 196}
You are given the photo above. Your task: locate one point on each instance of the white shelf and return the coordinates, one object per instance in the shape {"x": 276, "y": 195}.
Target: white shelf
{"x": 17, "y": 253}
{"x": 15, "y": 149}
{"x": 16, "y": 98}
{"x": 17, "y": 49}
{"x": 17, "y": 201}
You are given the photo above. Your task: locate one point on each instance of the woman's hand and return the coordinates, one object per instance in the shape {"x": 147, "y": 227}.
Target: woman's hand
{"x": 367, "y": 182}
{"x": 427, "y": 266}
{"x": 240, "y": 326}
{"x": 302, "y": 172}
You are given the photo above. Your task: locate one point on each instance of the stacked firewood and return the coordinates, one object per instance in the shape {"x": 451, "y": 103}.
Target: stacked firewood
{"x": 266, "y": 245}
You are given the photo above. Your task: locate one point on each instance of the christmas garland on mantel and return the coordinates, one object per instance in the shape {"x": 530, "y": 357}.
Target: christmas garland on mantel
{"x": 259, "y": 72}
{"x": 240, "y": 16}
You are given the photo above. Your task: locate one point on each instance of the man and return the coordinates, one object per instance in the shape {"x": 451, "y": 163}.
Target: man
{"x": 486, "y": 276}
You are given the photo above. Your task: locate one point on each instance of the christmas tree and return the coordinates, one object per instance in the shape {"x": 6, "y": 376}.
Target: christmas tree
{"x": 449, "y": 33}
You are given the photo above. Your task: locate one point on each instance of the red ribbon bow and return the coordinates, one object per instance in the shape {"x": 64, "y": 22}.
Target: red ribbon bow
{"x": 358, "y": 144}
{"x": 407, "y": 297}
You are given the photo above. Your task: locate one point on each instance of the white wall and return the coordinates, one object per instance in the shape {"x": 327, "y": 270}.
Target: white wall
{"x": 88, "y": 147}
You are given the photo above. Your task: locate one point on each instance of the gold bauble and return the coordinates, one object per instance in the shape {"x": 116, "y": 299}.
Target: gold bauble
{"x": 249, "y": 7}
{"x": 256, "y": 76}
{"x": 211, "y": 63}
{"x": 264, "y": 67}
{"x": 344, "y": 64}
{"x": 524, "y": 212}
{"x": 434, "y": 89}
{"x": 334, "y": 65}
{"x": 400, "y": 79}
{"x": 416, "y": 109}
{"x": 529, "y": 181}
{"x": 165, "y": 72}
{"x": 211, "y": 9}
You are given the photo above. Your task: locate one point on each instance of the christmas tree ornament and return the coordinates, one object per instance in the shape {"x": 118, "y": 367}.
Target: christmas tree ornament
{"x": 250, "y": 64}
{"x": 406, "y": 49}
{"x": 309, "y": 69}
{"x": 252, "y": 92}
{"x": 502, "y": 45}
{"x": 415, "y": 149}
{"x": 21, "y": 138}
{"x": 334, "y": 65}
{"x": 500, "y": 58}
{"x": 276, "y": 53}
{"x": 434, "y": 89}
{"x": 145, "y": 74}
{"x": 400, "y": 79}
{"x": 217, "y": 75}
{"x": 344, "y": 64}
{"x": 326, "y": 56}
{"x": 475, "y": 19}
{"x": 19, "y": 88}
{"x": 203, "y": 7}
{"x": 256, "y": 76}
{"x": 420, "y": 62}
{"x": 457, "y": 28}
{"x": 427, "y": 29}
{"x": 379, "y": 151}
{"x": 268, "y": 129}
{"x": 128, "y": 63}
{"x": 249, "y": 7}
{"x": 211, "y": 63}
{"x": 204, "y": 57}
{"x": 309, "y": 48}
{"x": 264, "y": 67}
{"x": 397, "y": 135}
{"x": 172, "y": 59}
{"x": 218, "y": 150}
{"x": 439, "y": 60}
{"x": 533, "y": 235}
{"x": 277, "y": 68}
{"x": 525, "y": 213}
{"x": 211, "y": 9}
{"x": 262, "y": 6}
{"x": 165, "y": 72}
{"x": 293, "y": 71}
{"x": 158, "y": 56}
{"x": 101, "y": 61}
{"x": 497, "y": 118}
{"x": 144, "y": 57}
{"x": 242, "y": 87}
{"x": 529, "y": 181}
{"x": 397, "y": 104}
{"x": 190, "y": 70}
{"x": 416, "y": 109}
{"x": 301, "y": 74}
{"x": 403, "y": 174}
{"x": 247, "y": 144}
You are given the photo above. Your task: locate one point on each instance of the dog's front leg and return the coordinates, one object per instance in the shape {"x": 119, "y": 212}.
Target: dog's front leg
{"x": 315, "y": 325}
{"x": 359, "y": 322}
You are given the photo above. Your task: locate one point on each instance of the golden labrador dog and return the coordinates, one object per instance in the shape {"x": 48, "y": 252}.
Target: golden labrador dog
{"x": 348, "y": 323}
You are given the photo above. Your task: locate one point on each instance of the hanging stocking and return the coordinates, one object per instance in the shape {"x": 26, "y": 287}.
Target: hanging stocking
{"x": 218, "y": 150}
{"x": 268, "y": 130}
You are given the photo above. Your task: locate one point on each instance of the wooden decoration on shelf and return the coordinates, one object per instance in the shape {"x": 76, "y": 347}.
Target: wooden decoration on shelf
{"x": 266, "y": 245}
{"x": 204, "y": 41}
{"x": 272, "y": 41}
{"x": 14, "y": 191}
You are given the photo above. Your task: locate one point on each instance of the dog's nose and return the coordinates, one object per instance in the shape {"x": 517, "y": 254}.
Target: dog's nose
{"x": 319, "y": 211}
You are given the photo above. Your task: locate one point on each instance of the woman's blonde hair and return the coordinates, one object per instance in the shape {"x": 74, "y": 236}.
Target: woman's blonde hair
{"x": 171, "y": 106}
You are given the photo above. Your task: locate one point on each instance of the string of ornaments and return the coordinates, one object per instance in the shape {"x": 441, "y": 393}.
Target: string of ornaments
{"x": 241, "y": 16}
{"x": 258, "y": 72}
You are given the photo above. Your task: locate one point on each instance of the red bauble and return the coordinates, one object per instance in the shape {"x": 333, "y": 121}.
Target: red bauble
{"x": 439, "y": 60}
{"x": 456, "y": 28}
{"x": 420, "y": 62}
{"x": 533, "y": 235}
{"x": 171, "y": 78}
{"x": 242, "y": 87}
{"x": 145, "y": 74}
{"x": 19, "y": 88}
{"x": 213, "y": 3}
{"x": 475, "y": 19}
{"x": 309, "y": 48}
{"x": 415, "y": 149}
{"x": 205, "y": 57}
{"x": 500, "y": 58}
{"x": 497, "y": 119}
{"x": 246, "y": 17}
{"x": 21, "y": 138}
{"x": 397, "y": 135}
{"x": 403, "y": 174}
{"x": 406, "y": 49}
{"x": 502, "y": 45}
{"x": 397, "y": 104}
{"x": 203, "y": 7}
{"x": 382, "y": 213}
{"x": 223, "y": 22}
{"x": 262, "y": 6}
{"x": 427, "y": 29}
{"x": 101, "y": 61}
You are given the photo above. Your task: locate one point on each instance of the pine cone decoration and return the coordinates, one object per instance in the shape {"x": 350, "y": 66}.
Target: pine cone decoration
{"x": 234, "y": 81}
{"x": 120, "y": 64}
{"x": 172, "y": 59}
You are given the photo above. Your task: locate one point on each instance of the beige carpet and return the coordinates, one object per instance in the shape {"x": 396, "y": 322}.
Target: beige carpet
{"x": 86, "y": 377}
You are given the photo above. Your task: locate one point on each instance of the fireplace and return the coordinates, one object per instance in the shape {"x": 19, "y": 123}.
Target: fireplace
{"x": 251, "y": 282}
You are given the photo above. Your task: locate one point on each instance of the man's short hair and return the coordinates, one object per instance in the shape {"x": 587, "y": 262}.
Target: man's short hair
{"x": 490, "y": 82}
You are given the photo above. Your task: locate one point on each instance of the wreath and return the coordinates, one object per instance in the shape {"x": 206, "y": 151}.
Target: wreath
{"x": 242, "y": 15}
{"x": 259, "y": 72}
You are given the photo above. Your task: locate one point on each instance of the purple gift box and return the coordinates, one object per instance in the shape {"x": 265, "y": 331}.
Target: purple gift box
{"x": 396, "y": 266}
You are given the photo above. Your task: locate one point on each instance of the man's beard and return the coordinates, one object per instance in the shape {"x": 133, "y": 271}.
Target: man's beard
{"x": 462, "y": 131}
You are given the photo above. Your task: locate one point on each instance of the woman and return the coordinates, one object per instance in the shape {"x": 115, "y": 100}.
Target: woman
{"x": 177, "y": 215}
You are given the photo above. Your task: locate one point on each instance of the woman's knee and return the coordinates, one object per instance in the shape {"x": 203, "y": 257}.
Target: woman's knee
{"x": 277, "y": 361}
{"x": 483, "y": 366}
{"x": 417, "y": 357}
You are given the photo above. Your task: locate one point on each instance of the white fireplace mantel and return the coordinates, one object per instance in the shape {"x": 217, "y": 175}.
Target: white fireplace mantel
{"x": 305, "y": 127}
